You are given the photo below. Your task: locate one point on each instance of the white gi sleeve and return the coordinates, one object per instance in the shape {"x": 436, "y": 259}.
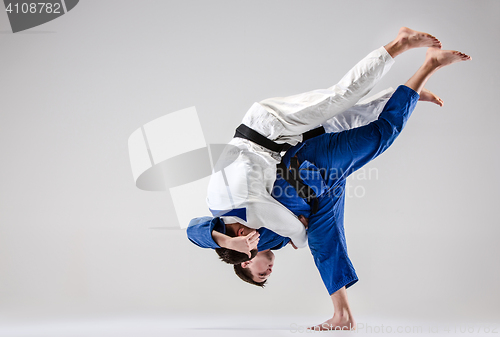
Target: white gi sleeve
{"x": 269, "y": 213}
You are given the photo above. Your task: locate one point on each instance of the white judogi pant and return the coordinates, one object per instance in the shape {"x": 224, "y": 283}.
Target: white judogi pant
{"x": 245, "y": 173}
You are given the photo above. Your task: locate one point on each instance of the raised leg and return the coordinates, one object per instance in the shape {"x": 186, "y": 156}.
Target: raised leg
{"x": 302, "y": 112}
{"x": 435, "y": 59}
{"x": 347, "y": 151}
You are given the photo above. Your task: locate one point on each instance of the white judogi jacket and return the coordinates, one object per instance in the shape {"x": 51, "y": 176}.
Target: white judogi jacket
{"x": 244, "y": 175}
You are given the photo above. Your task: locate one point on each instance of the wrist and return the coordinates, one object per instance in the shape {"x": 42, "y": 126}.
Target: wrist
{"x": 221, "y": 239}
{"x": 226, "y": 242}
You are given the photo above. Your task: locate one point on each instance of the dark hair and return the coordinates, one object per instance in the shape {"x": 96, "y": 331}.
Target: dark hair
{"x": 230, "y": 231}
{"x": 233, "y": 256}
{"x": 246, "y": 275}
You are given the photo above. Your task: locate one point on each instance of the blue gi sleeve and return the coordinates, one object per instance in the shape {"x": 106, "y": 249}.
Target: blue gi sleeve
{"x": 200, "y": 230}
{"x": 270, "y": 240}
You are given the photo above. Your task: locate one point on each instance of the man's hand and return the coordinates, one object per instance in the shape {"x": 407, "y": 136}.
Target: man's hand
{"x": 244, "y": 243}
{"x": 304, "y": 221}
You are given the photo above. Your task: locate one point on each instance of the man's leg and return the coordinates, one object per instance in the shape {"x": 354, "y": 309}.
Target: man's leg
{"x": 363, "y": 113}
{"x": 302, "y": 112}
{"x": 435, "y": 59}
{"x": 360, "y": 114}
{"x": 408, "y": 38}
{"x": 349, "y": 150}
{"x": 340, "y": 154}
{"x": 342, "y": 318}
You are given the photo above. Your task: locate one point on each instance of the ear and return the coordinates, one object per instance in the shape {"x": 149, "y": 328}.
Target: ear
{"x": 245, "y": 264}
{"x": 240, "y": 231}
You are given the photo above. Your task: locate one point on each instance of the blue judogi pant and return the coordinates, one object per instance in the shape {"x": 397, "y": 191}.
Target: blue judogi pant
{"x": 326, "y": 162}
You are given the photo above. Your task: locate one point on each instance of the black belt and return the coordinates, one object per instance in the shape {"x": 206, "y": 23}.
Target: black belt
{"x": 291, "y": 175}
{"x": 245, "y": 132}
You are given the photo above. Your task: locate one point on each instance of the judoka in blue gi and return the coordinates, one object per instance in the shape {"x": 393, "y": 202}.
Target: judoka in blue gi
{"x": 325, "y": 163}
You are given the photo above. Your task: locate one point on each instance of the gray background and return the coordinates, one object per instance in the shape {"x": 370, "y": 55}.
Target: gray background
{"x": 75, "y": 233}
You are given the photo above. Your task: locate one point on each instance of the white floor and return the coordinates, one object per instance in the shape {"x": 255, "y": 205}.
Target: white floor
{"x": 153, "y": 326}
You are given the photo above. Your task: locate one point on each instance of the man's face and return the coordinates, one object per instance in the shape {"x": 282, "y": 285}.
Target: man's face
{"x": 238, "y": 229}
{"x": 261, "y": 266}
{"x": 244, "y": 230}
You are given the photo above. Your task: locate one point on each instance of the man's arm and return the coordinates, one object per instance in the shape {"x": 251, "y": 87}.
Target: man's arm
{"x": 205, "y": 232}
{"x": 201, "y": 233}
{"x": 200, "y": 230}
{"x": 244, "y": 244}
{"x": 278, "y": 219}
{"x": 305, "y": 222}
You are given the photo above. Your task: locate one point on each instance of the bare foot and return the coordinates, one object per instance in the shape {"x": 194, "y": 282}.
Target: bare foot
{"x": 439, "y": 58}
{"x": 429, "y": 96}
{"x": 412, "y": 39}
{"x": 337, "y": 322}
{"x": 434, "y": 60}
{"x": 408, "y": 39}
